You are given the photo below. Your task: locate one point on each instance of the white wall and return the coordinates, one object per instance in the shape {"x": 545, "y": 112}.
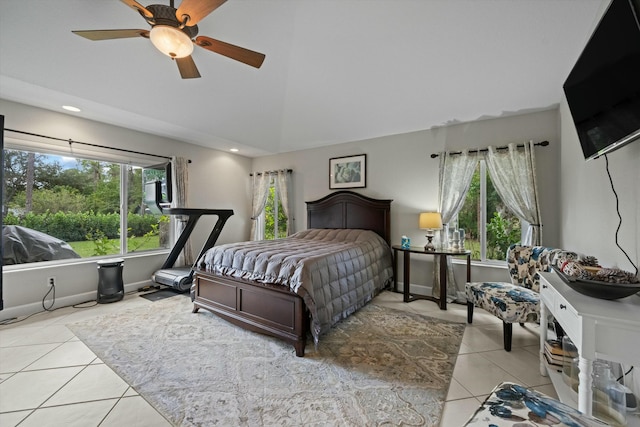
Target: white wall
{"x": 399, "y": 167}
{"x": 578, "y": 207}
{"x": 217, "y": 180}
{"x": 588, "y": 217}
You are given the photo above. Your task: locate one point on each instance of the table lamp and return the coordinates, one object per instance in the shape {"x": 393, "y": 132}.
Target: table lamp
{"x": 430, "y": 221}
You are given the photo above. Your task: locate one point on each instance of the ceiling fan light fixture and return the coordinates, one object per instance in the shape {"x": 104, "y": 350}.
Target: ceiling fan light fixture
{"x": 171, "y": 41}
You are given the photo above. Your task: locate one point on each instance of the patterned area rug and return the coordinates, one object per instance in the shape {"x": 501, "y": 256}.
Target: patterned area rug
{"x": 378, "y": 367}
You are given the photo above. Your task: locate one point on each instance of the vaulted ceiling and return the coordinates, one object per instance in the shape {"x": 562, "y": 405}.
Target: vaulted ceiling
{"x": 335, "y": 70}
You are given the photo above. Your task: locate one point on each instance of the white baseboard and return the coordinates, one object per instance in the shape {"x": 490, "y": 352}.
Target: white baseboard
{"x": 36, "y": 307}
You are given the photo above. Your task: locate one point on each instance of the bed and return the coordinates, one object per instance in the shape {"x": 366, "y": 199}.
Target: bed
{"x": 286, "y": 306}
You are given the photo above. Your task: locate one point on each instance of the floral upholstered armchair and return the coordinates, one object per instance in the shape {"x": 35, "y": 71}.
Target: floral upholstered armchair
{"x": 518, "y": 301}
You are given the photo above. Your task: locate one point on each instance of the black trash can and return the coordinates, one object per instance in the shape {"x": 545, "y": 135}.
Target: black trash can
{"x": 110, "y": 286}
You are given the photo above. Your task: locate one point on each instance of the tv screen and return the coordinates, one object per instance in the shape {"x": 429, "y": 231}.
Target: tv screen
{"x": 603, "y": 88}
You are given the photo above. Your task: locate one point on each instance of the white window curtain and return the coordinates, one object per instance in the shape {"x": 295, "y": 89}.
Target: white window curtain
{"x": 260, "y": 190}
{"x": 181, "y": 185}
{"x": 456, "y": 171}
{"x": 513, "y": 174}
{"x": 283, "y": 184}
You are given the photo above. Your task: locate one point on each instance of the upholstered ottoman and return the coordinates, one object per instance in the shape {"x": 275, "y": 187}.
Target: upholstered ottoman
{"x": 511, "y": 405}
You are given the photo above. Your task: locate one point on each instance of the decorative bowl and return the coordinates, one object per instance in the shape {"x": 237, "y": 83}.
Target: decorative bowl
{"x": 596, "y": 289}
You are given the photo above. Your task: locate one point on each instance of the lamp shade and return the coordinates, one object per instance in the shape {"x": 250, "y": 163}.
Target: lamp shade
{"x": 430, "y": 220}
{"x": 171, "y": 41}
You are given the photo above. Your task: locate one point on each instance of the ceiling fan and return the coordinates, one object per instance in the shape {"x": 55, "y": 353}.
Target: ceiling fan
{"x": 173, "y": 32}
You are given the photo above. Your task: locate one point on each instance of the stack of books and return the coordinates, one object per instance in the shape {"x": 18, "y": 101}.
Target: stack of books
{"x": 555, "y": 355}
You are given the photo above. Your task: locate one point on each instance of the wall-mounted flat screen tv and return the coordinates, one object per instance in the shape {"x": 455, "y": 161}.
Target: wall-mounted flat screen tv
{"x": 603, "y": 88}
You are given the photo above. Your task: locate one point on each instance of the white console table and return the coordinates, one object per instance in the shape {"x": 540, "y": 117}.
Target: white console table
{"x": 600, "y": 329}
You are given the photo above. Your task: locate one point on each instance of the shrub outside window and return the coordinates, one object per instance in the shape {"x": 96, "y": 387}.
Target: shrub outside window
{"x": 275, "y": 220}
{"x": 490, "y": 227}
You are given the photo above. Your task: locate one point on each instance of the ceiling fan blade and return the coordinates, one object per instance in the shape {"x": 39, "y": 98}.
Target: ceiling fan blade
{"x": 187, "y": 67}
{"x": 111, "y": 34}
{"x": 133, "y": 4}
{"x": 196, "y": 10}
{"x": 241, "y": 54}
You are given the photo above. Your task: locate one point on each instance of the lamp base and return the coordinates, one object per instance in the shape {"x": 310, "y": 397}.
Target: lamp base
{"x": 429, "y": 246}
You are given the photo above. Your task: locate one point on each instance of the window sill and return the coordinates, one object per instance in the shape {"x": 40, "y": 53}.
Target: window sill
{"x": 79, "y": 261}
{"x": 482, "y": 264}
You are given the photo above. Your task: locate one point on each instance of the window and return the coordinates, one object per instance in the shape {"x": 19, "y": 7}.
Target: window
{"x": 77, "y": 202}
{"x": 273, "y": 217}
{"x": 490, "y": 227}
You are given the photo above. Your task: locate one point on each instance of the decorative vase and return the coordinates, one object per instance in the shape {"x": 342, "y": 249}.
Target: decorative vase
{"x": 444, "y": 237}
{"x": 608, "y": 395}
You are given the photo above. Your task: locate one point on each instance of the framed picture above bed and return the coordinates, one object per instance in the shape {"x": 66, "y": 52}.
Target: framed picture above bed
{"x": 348, "y": 172}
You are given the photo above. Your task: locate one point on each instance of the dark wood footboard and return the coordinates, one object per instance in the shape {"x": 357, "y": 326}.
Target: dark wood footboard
{"x": 269, "y": 309}
{"x": 273, "y": 309}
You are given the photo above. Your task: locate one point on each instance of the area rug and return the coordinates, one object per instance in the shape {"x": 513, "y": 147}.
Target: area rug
{"x": 378, "y": 367}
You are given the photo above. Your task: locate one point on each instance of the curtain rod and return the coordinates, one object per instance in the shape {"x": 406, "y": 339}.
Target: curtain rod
{"x": 70, "y": 141}
{"x": 484, "y": 150}
{"x": 270, "y": 172}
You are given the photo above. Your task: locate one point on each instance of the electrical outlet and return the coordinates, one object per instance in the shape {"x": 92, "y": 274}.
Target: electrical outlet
{"x": 51, "y": 281}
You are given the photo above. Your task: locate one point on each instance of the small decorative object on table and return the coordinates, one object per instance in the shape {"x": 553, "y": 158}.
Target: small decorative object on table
{"x": 444, "y": 236}
{"x": 430, "y": 221}
{"x": 583, "y": 274}
{"x": 455, "y": 240}
{"x": 405, "y": 242}
{"x": 609, "y": 396}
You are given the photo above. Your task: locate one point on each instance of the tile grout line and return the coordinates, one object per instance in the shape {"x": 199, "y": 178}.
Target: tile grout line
{"x": 62, "y": 386}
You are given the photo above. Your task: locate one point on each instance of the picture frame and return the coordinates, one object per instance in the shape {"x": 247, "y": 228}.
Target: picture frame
{"x": 348, "y": 172}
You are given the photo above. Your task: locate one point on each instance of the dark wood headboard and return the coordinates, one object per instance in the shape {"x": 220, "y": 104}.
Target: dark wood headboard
{"x": 346, "y": 209}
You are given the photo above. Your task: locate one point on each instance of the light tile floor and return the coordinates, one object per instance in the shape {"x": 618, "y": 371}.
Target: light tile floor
{"x": 50, "y": 378}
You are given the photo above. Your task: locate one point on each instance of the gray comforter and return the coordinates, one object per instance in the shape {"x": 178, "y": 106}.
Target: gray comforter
{"x": 335, "y": 271}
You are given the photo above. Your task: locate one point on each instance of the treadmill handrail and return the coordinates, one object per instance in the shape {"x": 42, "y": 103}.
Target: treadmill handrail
{"x": 194, "y": 215}
{"x": 195, "y": 211}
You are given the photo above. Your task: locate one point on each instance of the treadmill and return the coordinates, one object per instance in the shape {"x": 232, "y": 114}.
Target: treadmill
{"x": 181, "y": 277}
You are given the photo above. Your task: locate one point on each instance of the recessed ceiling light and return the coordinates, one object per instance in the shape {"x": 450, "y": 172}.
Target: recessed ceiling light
{"x": 71, "y": 108}
{"x": 234, "y": 150}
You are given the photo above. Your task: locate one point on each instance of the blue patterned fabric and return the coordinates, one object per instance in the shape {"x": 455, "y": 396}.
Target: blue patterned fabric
{"x": 510, "y": 303}
{"x": 526, "y": 262}
{"x": 518, "y": 301}
{"x": 511, "y": 405}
